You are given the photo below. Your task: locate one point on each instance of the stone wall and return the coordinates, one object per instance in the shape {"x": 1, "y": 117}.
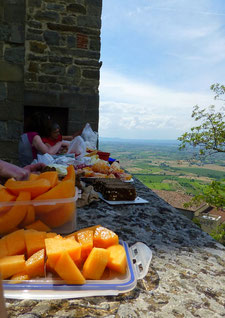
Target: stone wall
{"x": 12, "y": 13}
{"x": 49, "y": 57}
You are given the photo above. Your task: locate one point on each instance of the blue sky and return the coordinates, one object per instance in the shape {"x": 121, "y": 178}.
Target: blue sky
{"x": 159, "y": 59}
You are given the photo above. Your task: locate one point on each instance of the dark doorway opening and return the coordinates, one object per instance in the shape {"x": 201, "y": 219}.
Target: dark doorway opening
{"x": 59, "y": 114}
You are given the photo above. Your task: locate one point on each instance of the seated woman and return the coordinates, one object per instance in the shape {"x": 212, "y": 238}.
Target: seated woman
{"x": 55, "y": 136}
{"x": 31, "y": 144}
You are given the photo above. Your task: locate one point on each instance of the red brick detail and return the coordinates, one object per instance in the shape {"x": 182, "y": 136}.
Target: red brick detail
{"x": 82, "y": 41}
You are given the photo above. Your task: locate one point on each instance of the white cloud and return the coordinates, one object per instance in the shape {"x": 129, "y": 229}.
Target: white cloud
{"x": 132, "y": 109}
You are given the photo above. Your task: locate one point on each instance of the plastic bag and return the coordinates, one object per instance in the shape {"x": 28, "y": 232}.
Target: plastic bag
{"x": 78, "y": 147}
{"x": 90, "y": 137}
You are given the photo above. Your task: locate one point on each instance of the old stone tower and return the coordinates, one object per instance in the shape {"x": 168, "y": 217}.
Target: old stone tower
{"x": 49, "y": 61}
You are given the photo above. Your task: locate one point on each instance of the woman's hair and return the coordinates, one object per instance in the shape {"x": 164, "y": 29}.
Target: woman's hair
{"x": 40, "y": 123}
{"x": 54, "y": 126}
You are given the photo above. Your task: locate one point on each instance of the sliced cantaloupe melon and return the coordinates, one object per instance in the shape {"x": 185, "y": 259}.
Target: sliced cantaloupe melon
{"x": 51, "y": 176}
{"x": 35, "y": 187}
{"x": 117, "y": 258}
{"x": 70, "y": 174}
{"x": 10, "y": 265}
{"x": 6, "y": 196}
{"x": 65, "y": 189}
{"x": 38, "y": 225}
{"x": 35, "y": 241}
{"x": 15, "y": 215}
{"x": 104, "y": 237}
{"x": 15, "y": 242}
{"x": 29, "y": 217}
{"x": 95, "y": 264}
{"x": 18, "y": 278}
{"x": 62, "y": 214}
{"x": 57, "y": 245}
{"x": 85, "y": 238}
{"x": 35, "y": 264}
{"x": 67, "y": 270}
{"x": 3, "y": 247}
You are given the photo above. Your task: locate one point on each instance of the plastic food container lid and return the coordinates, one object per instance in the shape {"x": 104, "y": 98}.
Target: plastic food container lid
{"x": 138, "y": 255}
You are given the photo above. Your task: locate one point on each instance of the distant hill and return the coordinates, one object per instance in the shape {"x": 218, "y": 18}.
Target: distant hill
{"x": 140, "y": 141}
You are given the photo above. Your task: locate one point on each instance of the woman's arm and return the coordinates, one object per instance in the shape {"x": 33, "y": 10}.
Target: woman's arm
{"x": 43, "y": 148}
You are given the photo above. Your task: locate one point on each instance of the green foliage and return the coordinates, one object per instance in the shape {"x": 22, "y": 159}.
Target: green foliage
{"x": 219, "y": 234}
{"x": 208, "y": 137}
{"x": 196, "y": 221}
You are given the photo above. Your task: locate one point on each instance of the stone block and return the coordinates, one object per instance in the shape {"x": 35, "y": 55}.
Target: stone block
{"x": 89, "y": 21}
{"x": 47, "y": 16}
{"x": 34, "y": 24}
{"x": 17, "y": 33}
{"x": 91, "y": 74}
{"x": 14, "y": 55}
{"x": 34, "y": 3}
{"x": 39, "y": 58}
{"x": 94, "y": 10}
{"x": 56, "y": 7}
{"x": 14, "y": 13}
{"x": 40, "y": 98}
{"x": 70, "y": 20}
{"x": 4, "y": 32}
{"x": 76, "y": 8}
{"x": 79, "y": 53}
{"x": 15, "y": 91}
{"x": 3, "y": 129}
{"x": 72, "y": 100}
{"x": 10, "y": 110}
{"x": 10, "y": 72}
{"x": 71, "y": 41}
{"x": 9, "y": 151}
{"x": 52, "y": 69}
{"x": 47, "y": 79}
{"x": 34, "y": 37}
{"x": 30, "y": 77}
{"x": 95, "y": 3}
{"x": 95, "y": 43}
{"x": 51, "y": 37}
{"x": 14, "y": 129}
{"x": 33, "y": 67}
{"x": 37, "y": 47}
{"x": 88, "y": 62}
{"x": 3, "y": 91}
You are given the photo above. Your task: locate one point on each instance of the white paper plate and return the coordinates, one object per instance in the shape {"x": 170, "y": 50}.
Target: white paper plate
{"x": 138, "y": 200}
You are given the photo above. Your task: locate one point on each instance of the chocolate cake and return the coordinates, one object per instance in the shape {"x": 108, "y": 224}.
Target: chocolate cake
{"x": 115, "y": 189}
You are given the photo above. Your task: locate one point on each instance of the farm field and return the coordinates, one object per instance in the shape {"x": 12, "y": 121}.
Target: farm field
{"x": 161, "y": 165}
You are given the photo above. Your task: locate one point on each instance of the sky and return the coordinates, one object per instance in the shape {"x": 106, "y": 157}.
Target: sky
{"x": 159, "y": 58}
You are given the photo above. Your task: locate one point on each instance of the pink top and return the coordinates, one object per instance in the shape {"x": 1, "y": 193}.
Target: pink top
{"x": 31, "y": 136}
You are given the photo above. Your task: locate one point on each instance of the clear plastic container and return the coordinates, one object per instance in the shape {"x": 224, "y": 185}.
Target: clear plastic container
{"x": 138, "y": 255}
{"x": 55, "y": 207}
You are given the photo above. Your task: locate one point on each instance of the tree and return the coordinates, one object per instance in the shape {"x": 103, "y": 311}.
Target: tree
{"x": 208, "y": 138}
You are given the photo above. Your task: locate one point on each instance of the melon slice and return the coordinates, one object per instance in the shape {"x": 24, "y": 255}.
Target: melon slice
{"x": 3, "y": 247}
{"x": 117, "y": 258}
{"x": 35, "y": 264}
{"x": 10, "y": 265}
{"x": 35, "y": 241}
{"x": 29, "y": 217}
{"x": 18, "y": 278}
{"x": 57, "y": 245}
{"x": 51, "y": 176}
{"x": 104, "y": 237}
{"x": 15, "y": 215}
{"x": 68, "y": 271}
{"x": 15, "y": 242}
{"x": 85, "y": 238}
{"x": 95, "y": 264}
{"x": 38, "y": 226}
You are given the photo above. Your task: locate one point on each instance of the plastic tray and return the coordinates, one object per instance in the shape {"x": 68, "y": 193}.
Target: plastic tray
{"x": 138, "y": 200}
{"x": 138, "y": 255}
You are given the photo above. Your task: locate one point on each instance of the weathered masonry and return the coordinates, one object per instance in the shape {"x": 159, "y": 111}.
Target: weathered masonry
{"x": 49, "y": 61}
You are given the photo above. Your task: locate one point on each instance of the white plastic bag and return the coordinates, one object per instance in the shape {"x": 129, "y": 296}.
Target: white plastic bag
{"x": 90, "y": 137}
{"x": 78, "y": 147}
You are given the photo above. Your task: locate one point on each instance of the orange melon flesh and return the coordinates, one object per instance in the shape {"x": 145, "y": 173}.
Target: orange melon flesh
{"x": 18, "y": 278}
{"x": 104, "y": 237}
{"x": 35, "y": 264}
{"x": 50, "y": 234}
{"x": 95, "y": 264}
{"x": 68, "y": 271}
{"x": 117, "y": 258}
{"x": 3, "y": 247}
{"x": 10, "y": 265}
{"x": 38, "y": 226}
{"x": 33, "y": 176}
{"x": 51, "y": 176}
{"x": 85, "y": 238}
{"x": 6, "y": 196}
{"x": 61, "y": 215}
{"x": 15, "y": 215}
{"x": 65, "y": 189}
{"x": 29, "y": 217}
{"x": 71, "y": 175}
{"x": 15, "y": 242}
{"x": 57, "y": 245}
{"x": 91, "y": 228}
{"x": 35, "y": 241}
{"x": 35, "y": 187}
